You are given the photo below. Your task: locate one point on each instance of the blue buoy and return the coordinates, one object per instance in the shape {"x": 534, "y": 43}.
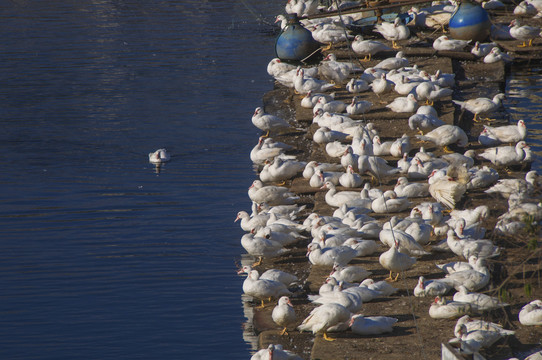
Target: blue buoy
{"x": 295, "y": 43}
{"x": 469, "y": 22}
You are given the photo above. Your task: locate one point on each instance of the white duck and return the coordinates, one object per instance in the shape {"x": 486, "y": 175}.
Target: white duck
{"x": 249, "y": 223}
{"x": 471, "y": 342}
{"x": 466, "y": 159}
{"x": 351, "y": 301}
{"x": 261, "y": 247}
{"x": 260, "y": 153}
{"x": 302, "y": 7}
{"x": 312, "y": 165}
{"x": 329, "y": 256}
{"x": 381, "y": 85}
{"x": 443, "y": 79}
{"x": 382, "y": 286}
{"x": 376, "y": 166}
{"x": 420, "y": 231}
{"x": 407, "y": 244}
{"x": 393, "y": 32}
{"x": 496, "y": 55}
{"x": 338, "y": 198}
{"x": 271, "y": 195}
{"x": 403, "y": 188}
{"x": 444, "y": 43}
{"x": 396, "y": 62}
{"x": 447, "y": 191}
{"x": 419, "y": 169}
{"x": 263, "y": 289}
{"x": 268, "y": 122}
{"x": 473, "y": 325}
{"x": 272, "y": 274}
{"x": 350, "y": 179}
{"x": 336, "y": 71}
{"x": 284, "y": 314}
{"x": 508, "y": 155}
{"x": 319, "y": 178}
{"x": 481, "y": 178}
{"x": 466, "y": 247}
{"x": 329, "y": 34}
{"x": 482, "y": 49}
{"x": 531, "y": 314}
{"x": 274, "y": 352}
{"x": 470, "y": 216}
{"x": 331, "y": 106}
{"x": 395, "y": 261}
{"x": 473, "y": 279}
{"x": 311, "y": 98}
{"x": 276, "y": 66}
{"x": 159, "y": 156}
{"x": 424, "y": 122}
{"x": 405, "y": 86}
{"x": 348, "y": 158}
{"x": 381, "y": 148}
{"x": 400, "y": 146}
{"x": 525, "y": 8}
{"x": 456, "y": 266}
{"x": 481, "y": 302}
{"x": 368, "y": 48}
{"x": 363, "y": 247}
{"x": 351, "y": 273}
{"x": 481, "y": 105}
{"x": 406, "y": 104}
{"x": 446, "y": 135}
{"x": 303, "y": 84}
{"x": 325, "y": 135}
{"x": 508, "y": 133}
{"x": 281, "y": 211}
{"x": 524, "y": 33}
{"x": 358, "y": 106}
{"x": 355, "y": 86}
{"x": 431, "y": 287}
{"x": 437, "y": 93}
{"x": 506, "y": 187}
{"x": 473, "y": 231}
{"x": 371, "y": 325}
{"x": 442, "y": 309}
{"x": 280, "y": 234}
{"x": 324, "y": 317}
{"x": 284, "y": 169}
{"x": 404, "y": 163}
{"x": 390, "y": 203}
{"x": 364, "y": 293}
{"x": 433, "y": 17}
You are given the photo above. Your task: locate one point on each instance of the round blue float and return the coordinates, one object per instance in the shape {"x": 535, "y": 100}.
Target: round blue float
{"x": 469, "y": 22}
{"x": 295, "y": 43}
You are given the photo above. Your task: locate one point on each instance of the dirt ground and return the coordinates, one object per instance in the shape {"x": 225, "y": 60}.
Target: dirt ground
{"x": 516, "y": 275}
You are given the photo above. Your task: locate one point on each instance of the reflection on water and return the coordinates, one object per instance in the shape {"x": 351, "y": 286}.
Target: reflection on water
{"x": 524, "y": 101}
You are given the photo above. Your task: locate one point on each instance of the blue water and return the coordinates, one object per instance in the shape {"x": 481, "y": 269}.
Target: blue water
{"x": 101, "y": 256}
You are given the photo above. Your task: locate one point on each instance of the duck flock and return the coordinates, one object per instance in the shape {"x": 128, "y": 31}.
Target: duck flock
{"x": 421, "y": 214}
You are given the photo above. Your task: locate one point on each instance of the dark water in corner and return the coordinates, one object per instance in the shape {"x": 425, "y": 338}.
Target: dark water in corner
{"x": 524, "y": 101}
{"x": 100, "y": 256}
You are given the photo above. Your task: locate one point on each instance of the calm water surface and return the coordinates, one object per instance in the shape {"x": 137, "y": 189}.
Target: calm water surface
{"x": 102, "y": 257}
